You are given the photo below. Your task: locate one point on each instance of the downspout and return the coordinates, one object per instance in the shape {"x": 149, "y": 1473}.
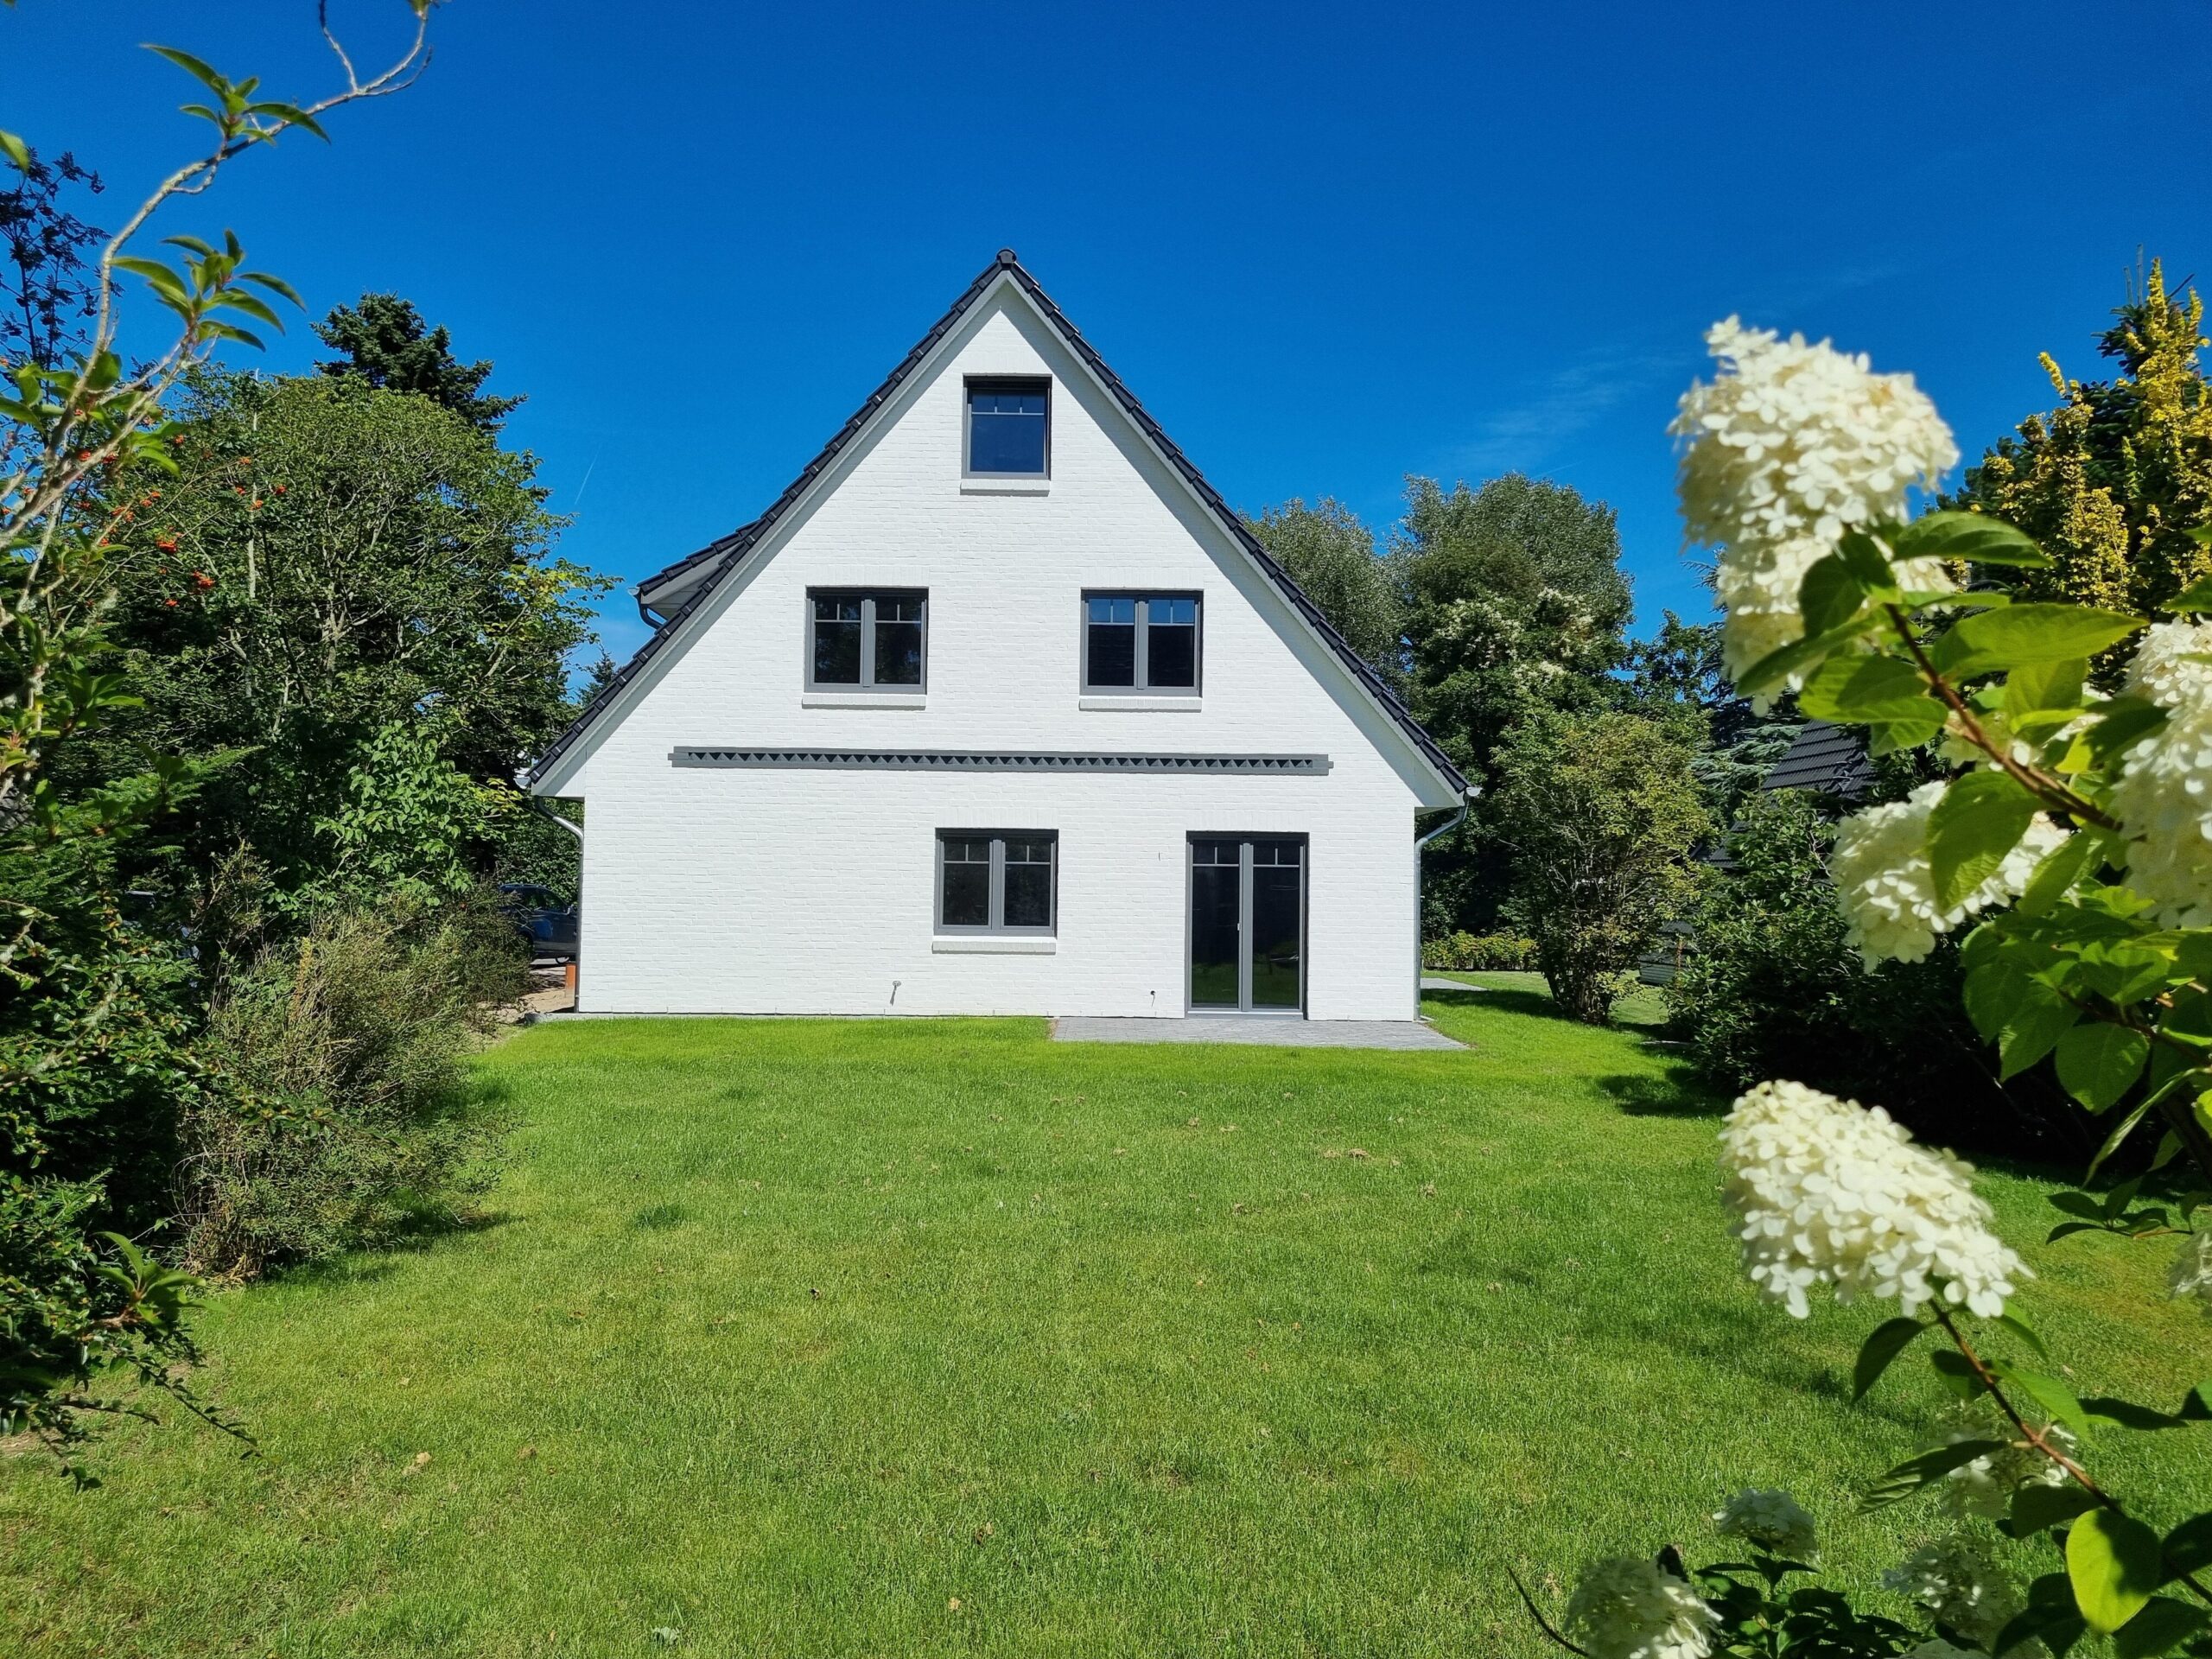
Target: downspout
{"x": 1420, "y": 844}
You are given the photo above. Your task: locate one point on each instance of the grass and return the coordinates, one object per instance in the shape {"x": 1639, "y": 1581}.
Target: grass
{"x": 786, "y": 1338}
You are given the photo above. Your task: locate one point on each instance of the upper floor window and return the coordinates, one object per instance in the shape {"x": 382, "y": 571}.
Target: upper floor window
{"x": 1009, "y": 428}
{"x": 1141, "y": 642}
{"x": 865, "y": 639}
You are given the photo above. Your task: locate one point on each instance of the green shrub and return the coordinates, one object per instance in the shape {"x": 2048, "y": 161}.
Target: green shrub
{"x": 1480, "y": 953}
{"x": 1771, "y": 989}
{"x": 350, "y": 1118}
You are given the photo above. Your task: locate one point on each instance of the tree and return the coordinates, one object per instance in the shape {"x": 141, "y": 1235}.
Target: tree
{"x": 1330, "y": 555}
{"x": 1514, "y": 603}
{"x": 1679, "y": 674}
{"x": 2111, "y": 482}
{"x": 91, "y": 1058}
{"x": 46, "y": 294}
{"x": 387, "y": 343}
{"x": 1601, "y": 811}
{"x": 330, "y": 560}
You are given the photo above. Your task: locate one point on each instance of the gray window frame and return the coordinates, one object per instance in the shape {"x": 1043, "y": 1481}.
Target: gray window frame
{"x": 868, "y": 597}
{"x": 1245, "y": 838}
{"x": 997, "y": 927}
{"x": 1143, "y": 598}
{"x": 1007, "y": 382}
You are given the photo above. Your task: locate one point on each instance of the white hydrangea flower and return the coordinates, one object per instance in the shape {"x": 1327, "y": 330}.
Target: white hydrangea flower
{"x": 1630, "y": 1609}
{"x": 1788, "y": 446}
{"x": 1775, "y": 1521}
{"x": 1957, "y": 1582}
{"x": 1886, "y": 886}
{"x": 1827, "y": 1191}
{"x": 2164, "y": 795}
{"x": 2192, "y": 1270}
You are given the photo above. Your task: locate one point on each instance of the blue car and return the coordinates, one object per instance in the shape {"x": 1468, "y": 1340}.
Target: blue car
{"x": 550, "y": 927}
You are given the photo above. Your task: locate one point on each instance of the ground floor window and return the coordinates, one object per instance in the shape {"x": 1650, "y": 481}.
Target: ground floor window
{"x": 997, "y": 881}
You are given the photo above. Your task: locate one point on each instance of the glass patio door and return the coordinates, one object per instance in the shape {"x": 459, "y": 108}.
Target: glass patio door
{"x": 1248, "y": 923}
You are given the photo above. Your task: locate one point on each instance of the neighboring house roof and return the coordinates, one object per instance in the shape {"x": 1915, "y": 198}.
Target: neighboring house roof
{"x": 727, "y": 554}
{"x": 1828, "y": 759}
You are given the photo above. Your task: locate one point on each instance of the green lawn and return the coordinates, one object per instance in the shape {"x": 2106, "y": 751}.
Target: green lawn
{"x": 788, "y": 1336}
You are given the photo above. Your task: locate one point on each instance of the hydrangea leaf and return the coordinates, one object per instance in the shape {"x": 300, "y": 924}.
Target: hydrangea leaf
{"x": 1972, "y": 536}
{"x": 2022, "y": 635}
{"x": 2113, "y": 1562}
{"x": 2033, "y": 1027}
{"x": 1908, "y": 1477}
{"x": 2062, "y": 868}
{"x": 2036, "y": 1507}
{"x": 2197, "y": 596}
{"x": 2121, "y": 722}
{"x": 1861, "y": 691}
{"x": 1829, "y": 595}
{"x": 1980, "y": 818}
{"x": 1888, "y": 1340}
{"x": 2056, "y": 1399}
{"x": 2098, "y": 1062}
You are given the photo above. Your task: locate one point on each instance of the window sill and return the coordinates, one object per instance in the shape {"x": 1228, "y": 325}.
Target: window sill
{"x": 1143, "y": 704}
{"x": 994, "y": 944}
{"x": 863, "y": 700}
{"x": 1008, "y": 485}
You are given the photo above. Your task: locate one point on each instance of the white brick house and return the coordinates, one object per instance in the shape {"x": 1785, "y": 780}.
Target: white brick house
{"x": 998, "y": 709}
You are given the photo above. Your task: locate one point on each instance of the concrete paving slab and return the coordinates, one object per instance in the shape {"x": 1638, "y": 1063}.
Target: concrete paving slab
{"x": 1260, "y": 1030}
{"x": 1431, "y": 982}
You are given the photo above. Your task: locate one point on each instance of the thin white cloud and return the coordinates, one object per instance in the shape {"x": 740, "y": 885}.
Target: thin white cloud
{"x": 1525, "y": 435}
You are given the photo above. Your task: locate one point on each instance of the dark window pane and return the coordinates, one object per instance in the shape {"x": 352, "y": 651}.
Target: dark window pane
{"x": 1171, "y": 653}
{"x": 1113, "y": 652}
{"x": 1005, "y": 428}
{"x": 1213, "y": 852}
{"x": 1036, "y": 850}
{"x": 1275, "y": 962}
{"x": 897, "y": 651}
{"x": 967, "y": 892}
{"x": 836, "y": 650}
{"x": 837, "y": 610}
{"x": 1028, "y": 895}
{"x": 1213, "y": 931}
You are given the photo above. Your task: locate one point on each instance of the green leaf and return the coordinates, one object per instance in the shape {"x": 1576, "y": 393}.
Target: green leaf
{"x": 2113, "y": 1562}
{"x": 2162, "y": 1625}
{"x": 2098, "y": 1062}
{"x": 2119, "y": 722}
{"x": 1980, "y": 818}
{"x": 1887, "y": 1341}
{"x": 2060, "y": 869}
{"x": 2019, "y": 1325}
{"x": 198, "y": 71}
{"x": 2058, "y": 1628}
{"x": 1777, "y": 666}
{"x": 1861, "y": 691}
{"x": 1863, "y": 556}
{"x": 1929, "y": 1466}
{"x": 1969, "y": 536}
{"x": 2044, "y": 688}
{"x": 2022, "y": 635}
{"x": 2197, "y": 596}
{"x": 15, "y": 151}
{"x": 1957, "y": 1373}
{"x": 2036, "y": 1507}
{"x": 1828, "y": 596}
{"x": 2056, "y": 1399}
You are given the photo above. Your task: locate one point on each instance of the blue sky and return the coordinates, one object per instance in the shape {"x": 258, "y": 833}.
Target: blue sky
{"x": 1328, "y": 246}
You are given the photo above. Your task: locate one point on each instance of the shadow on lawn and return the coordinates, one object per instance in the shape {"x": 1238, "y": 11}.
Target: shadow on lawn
{"x": 1642, "y": 1096}
{"x": 368, "y": 1263}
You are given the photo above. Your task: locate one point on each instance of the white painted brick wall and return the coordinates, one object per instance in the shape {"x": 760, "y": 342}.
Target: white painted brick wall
{"x": 711, "y": 890}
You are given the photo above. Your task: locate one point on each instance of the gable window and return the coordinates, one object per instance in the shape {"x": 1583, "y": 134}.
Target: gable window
{"x": 861, "y": 638}
{"x": 1141, "y": 642}
{"x": 997, "y": 881}
{"x": 1009, "y": 428}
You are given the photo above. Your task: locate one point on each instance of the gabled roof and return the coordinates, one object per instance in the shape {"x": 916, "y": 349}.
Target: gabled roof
{"x": 728, "y": 553}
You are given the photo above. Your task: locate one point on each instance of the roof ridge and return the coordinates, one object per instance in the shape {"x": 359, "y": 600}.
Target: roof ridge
{"x": 730, "y": 549}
